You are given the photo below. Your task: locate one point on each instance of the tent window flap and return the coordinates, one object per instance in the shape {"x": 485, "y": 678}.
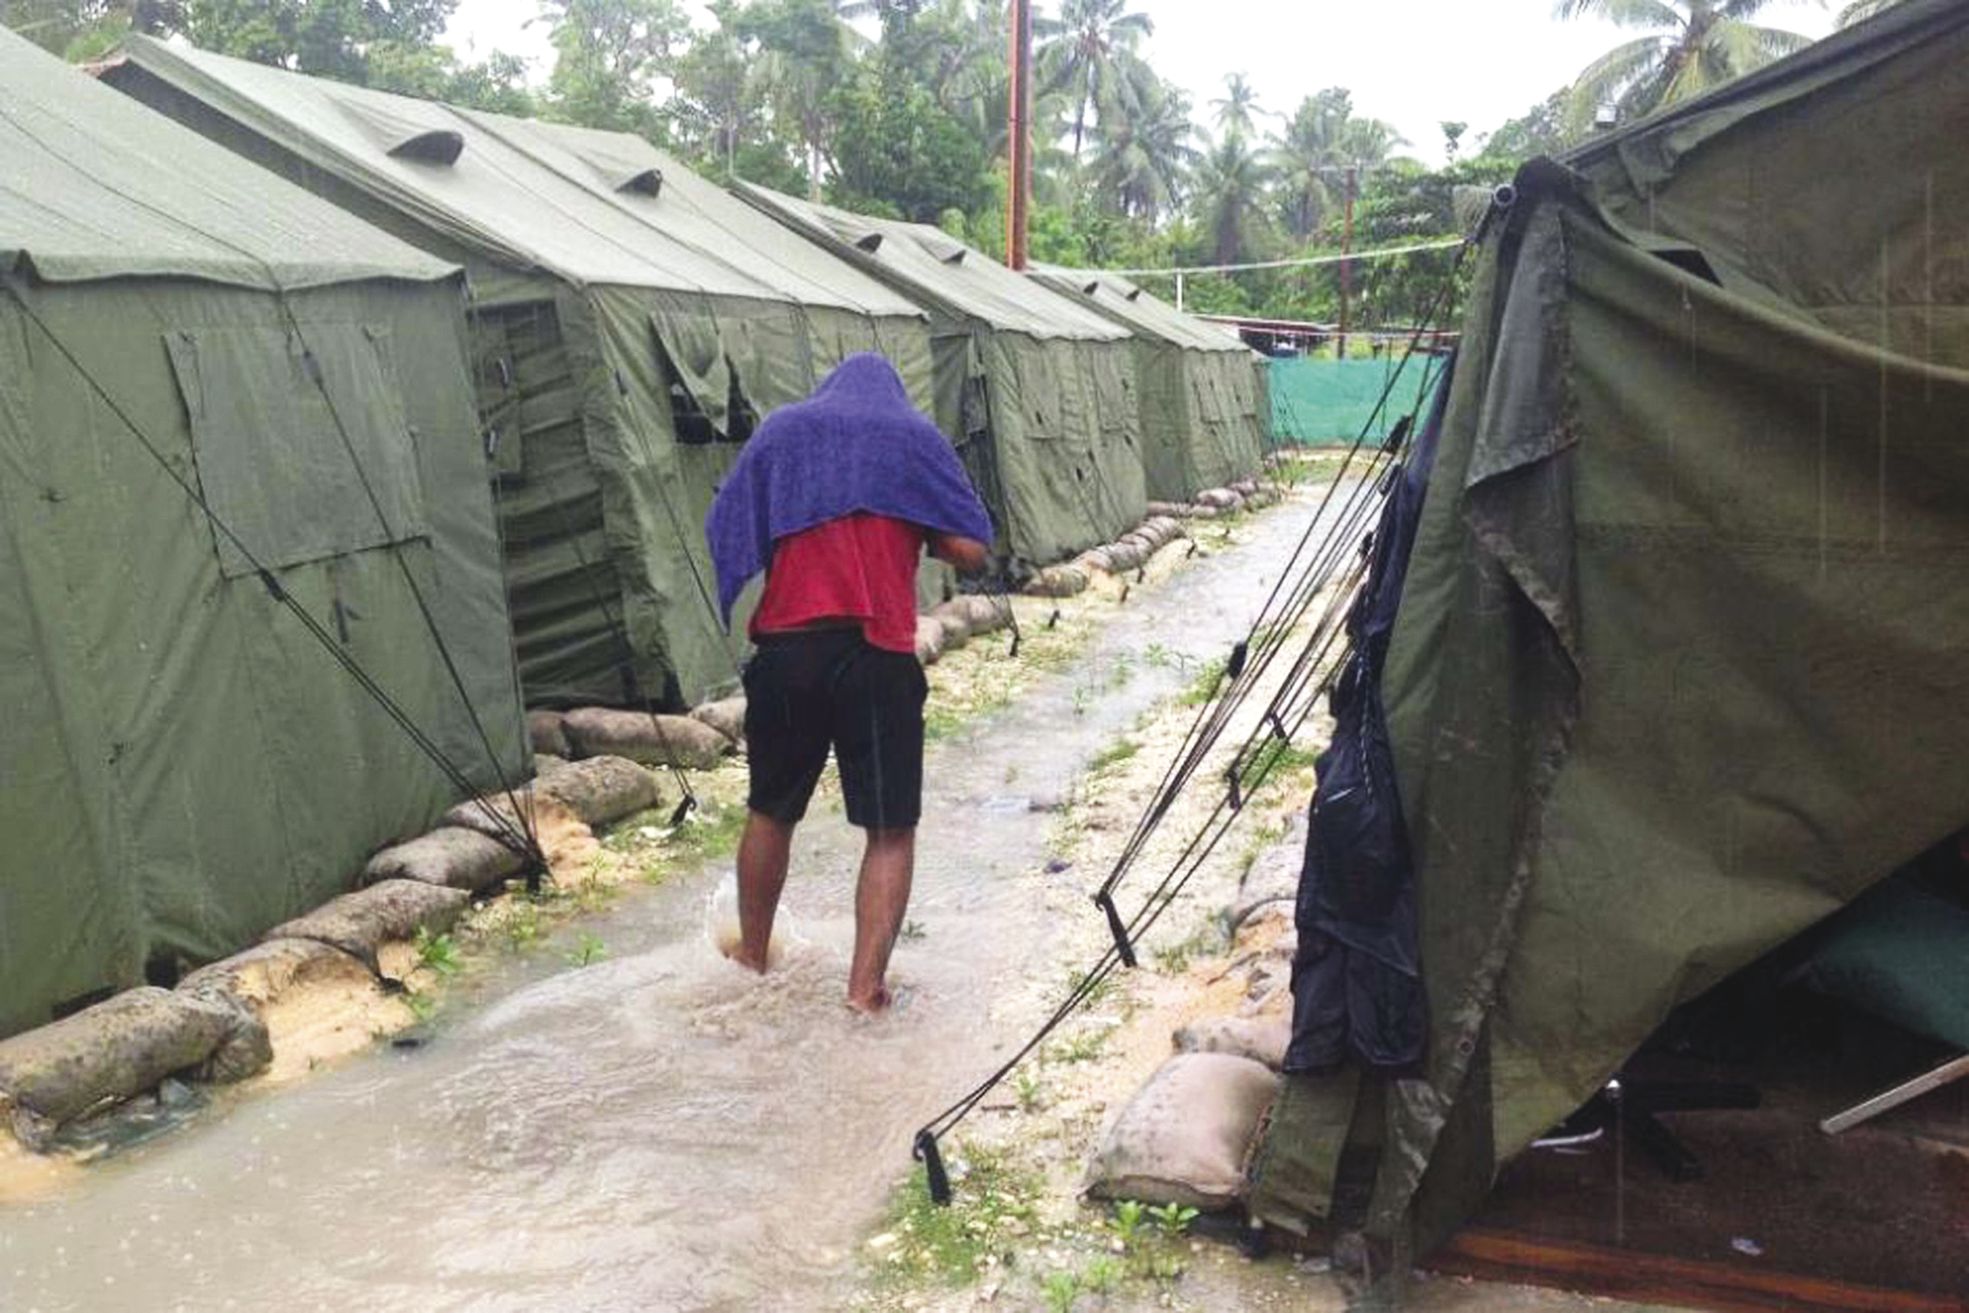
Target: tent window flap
{"x": 267, "y": 436}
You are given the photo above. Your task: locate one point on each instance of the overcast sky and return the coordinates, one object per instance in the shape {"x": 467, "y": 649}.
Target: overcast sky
{"x": 1412, "y": 62}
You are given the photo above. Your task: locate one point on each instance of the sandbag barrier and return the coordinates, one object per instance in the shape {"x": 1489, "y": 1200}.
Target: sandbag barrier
{"x": 1189, "y": 1134}
{"x": 1134, "y": 549}
{"x": 948, "y": 626}
{"x": 211, "y": 1028}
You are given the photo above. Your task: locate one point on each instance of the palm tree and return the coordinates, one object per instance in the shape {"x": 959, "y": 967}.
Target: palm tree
{"x": 1861, "y": 10}
{"x": 1312, "y": 158}
{"x": 1692, "y": 46}
{"x": 1238, "y": 109}
{"x": 1230, "y": 199}
{"x": 1142, "y": 162}
{"x": 1089, "y": 50}
{"x": 806, "y": 50}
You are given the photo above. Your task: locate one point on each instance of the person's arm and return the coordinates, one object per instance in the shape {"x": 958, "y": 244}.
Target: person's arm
{"x": 966, "y": 555}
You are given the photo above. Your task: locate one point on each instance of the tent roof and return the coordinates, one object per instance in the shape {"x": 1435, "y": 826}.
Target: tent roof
{"x": 94, "y": 185}
{"x": 589, "y": 207}
{"x": 1148, "y": 315}
{"x": 943, "y": 272}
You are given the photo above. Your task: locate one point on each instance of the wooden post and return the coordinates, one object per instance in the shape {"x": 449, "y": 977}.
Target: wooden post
{"x": 1347, "y": 266}
{"x": 1018, "y": 201}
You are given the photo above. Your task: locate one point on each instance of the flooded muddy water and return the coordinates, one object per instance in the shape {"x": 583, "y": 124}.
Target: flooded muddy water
{"x": 658, "y": 1130}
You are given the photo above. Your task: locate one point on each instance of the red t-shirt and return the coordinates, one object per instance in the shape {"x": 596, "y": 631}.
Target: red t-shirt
{"x": 861, "y": 567}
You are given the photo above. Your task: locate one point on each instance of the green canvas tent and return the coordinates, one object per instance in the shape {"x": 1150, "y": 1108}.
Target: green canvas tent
{"x": 1040, "y": 394}
{"x": 186, "y": 764}
{"x": 1202, "y": 391}
{"x": 632, "y": 322}
{"x": 1677, "y": 670}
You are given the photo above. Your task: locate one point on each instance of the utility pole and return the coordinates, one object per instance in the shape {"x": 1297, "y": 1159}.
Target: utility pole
{"x": 1019, "y": 200}
{"x": 1347, "y": 266}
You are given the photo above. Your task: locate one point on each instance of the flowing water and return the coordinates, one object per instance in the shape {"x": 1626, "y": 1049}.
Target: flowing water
{"x": 659, "y": 1130}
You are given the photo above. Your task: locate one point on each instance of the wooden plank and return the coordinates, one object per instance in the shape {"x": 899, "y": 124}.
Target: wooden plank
{"x": 1628, "y": 1274}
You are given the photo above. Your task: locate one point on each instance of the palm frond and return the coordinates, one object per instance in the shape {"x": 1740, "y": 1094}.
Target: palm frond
{"x": 1622, "y": 13}
{"x": 1608, "y": 79}
{"x": 1861, "y": 10}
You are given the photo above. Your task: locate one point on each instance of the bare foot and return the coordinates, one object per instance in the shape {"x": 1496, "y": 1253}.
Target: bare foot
{"x": 871, "y": 1006}
{"x": 736, "y": 953}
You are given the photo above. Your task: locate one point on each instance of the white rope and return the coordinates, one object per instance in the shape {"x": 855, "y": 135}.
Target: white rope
{"x": 1306, "y": 262}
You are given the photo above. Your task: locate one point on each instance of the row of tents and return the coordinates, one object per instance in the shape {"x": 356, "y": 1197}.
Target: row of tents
{"x": 339, "y": 427}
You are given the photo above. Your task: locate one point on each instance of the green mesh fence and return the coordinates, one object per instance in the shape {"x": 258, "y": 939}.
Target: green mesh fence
{"x": 1321, "y": 403}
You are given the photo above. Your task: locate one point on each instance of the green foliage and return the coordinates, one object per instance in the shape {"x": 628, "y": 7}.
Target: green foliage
{"x": 330, "y": 38}
{"x": 588, "y": 950}
{"x": 438, "y": 952}
{"x": 898, "y": 107}
{"x": 1687, "y": 47}
{"x": 607, "y": 56}
{"x": 1173, "y": 1219}
{"x": 1127, "y": 1220}
{"x": 898, "y": 152}
{"x": 949, "y": 1245}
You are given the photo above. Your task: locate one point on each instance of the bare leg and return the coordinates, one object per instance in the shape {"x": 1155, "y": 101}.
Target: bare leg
{"x": 763, "y": 853}
{"x": 881, "y": 898}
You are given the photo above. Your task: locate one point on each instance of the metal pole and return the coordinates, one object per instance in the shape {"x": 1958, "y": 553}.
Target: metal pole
{"x": 1347, "y": 266}
{"x": 1020, "y": 125}
{"x": 1179, "y": 291}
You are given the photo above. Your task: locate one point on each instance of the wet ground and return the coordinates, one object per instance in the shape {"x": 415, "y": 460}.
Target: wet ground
{"x": 658, "y": 1130}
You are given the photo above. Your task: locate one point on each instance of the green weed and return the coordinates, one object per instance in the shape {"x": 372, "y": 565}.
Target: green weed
{"x": 1084, "y": 1047}
{"x": 438, "y": 952}
{"x": 1026, "y": 1087}
{"x": 1113, "y": 755}
{"x": 1204, "y": 686}
{"x": 422, "y": 1006}
{"x": 523, "y": 926}
{"x": 1274, "y": 763}
{"x": 950, "y": 1245}
{"x": 588, "y": 950}
{"x": 1173, "y": 1219}
{"x": 1127, "y": 1220}
{"x": 1061, "y": 1290}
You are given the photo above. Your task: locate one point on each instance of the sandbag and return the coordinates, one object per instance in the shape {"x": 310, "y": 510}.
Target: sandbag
{"x": 639, "y": 736}
{"x": 120, "y": 1048}
{"x": 1125, "y": 557}
{"x": 929, "y": 640}
{"x": 254, "y": 980}
{"x": 455, "y": 856}
{"x": 544, "y": 732}
{"x": 1058, "y": 581}
{"x": 1096, "y": 558}
{"x": 727, "y": 716}
{"x": 1273, "y": 878}
{"x": 1219, "y": 499}
{"x": 599, "y": 790}
{"x": 982, "y": 615}
{"x": 1260, "y": 1039}
{"x": 1186, "y": 1135}
{"x": 956, "y": 630}
{"x": 361, "y": 922}
{"x": 1167, "y": 509}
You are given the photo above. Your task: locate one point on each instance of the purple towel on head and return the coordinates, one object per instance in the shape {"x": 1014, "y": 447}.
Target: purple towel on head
{"x": 855, "y": 446}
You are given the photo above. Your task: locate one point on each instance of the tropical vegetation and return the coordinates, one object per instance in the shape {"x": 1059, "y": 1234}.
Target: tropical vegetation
{"x": 899, "y": 107}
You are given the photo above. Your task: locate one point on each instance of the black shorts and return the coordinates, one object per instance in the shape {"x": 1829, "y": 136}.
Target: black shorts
{"x": 809, "y": 692}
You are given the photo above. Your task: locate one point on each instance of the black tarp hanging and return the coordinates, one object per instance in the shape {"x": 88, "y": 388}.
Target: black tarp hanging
{"x": 1356, "y": 980}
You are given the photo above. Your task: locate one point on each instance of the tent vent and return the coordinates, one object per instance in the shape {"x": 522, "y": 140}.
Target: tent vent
{"x": 1092, "y": 288}
{"x": 1134, "y": 294}
{"x": 956, "y": 256}
{"x": 871, "y": 242}
{"x": 438, "y": 146}
{"x": 649, "y": 182}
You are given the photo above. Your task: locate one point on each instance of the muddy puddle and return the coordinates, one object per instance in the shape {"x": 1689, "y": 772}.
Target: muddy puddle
{"x": 657, "y": 1130}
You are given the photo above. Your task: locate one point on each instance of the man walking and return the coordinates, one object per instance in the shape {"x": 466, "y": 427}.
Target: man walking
{"x": 835, "y": 499}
